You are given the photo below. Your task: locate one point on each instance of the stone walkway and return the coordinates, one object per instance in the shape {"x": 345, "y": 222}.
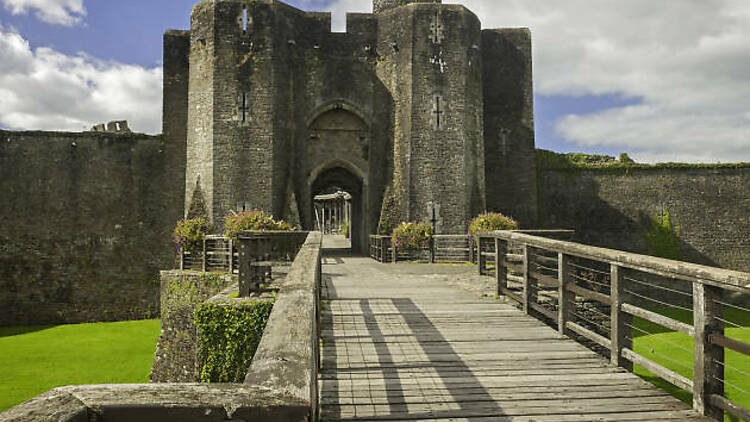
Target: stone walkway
{"x": 404, "y": 342}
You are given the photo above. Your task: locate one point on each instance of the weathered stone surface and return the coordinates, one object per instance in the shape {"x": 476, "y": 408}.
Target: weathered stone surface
{"x": 160, "y": 403}
{"x": 615, "y": 209}
{"x": 282, "y": 386}
{"x": 287, "y": 356}
{"x": 509, "y": 124}
{"x": 181, "y": 292}
{"x": 281, "y": 109}
{"x": 57, "y": 405}
{"x": 86, "y": 221}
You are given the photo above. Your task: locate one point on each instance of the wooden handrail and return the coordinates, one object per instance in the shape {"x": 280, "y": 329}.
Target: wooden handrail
{"x": 707, "y": 328}
{"x": 729, "y": 279}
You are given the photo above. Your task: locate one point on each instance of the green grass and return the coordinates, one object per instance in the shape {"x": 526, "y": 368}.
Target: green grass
{"x": 675, "y": 351}
{"x": 36, "y": 359}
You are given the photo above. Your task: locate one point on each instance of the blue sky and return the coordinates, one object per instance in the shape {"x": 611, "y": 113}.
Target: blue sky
{"x": 609, "y": 77}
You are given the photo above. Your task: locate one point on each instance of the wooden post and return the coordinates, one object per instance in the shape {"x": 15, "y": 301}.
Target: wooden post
{"x": 620, "y": 332}
{"x": 480, "y": 256}
{"x": 182, "y": 260}
{"x": 565, "y": 298}
{"x": 231, "y": 256}
{"x": 205, "y": 255}
{"x": 471, "y": 249}
{"x": 527, "y": 293}
{"x": 708, "y": 369}
{"x": 244, "y": 263}
{"x": 501, "y": 271}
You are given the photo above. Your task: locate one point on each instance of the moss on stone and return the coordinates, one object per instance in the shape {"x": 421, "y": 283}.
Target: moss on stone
{"x": 664, "y": 237}
{"x": 549, "y": 160}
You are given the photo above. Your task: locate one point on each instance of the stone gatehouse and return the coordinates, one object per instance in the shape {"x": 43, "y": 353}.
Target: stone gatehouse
{"x": 414, "y": 106}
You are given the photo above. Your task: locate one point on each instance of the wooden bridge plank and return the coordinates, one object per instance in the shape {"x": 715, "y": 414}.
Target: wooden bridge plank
{"x": 405, "y": 345}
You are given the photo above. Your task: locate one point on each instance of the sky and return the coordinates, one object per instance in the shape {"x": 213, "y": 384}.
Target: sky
{"x": 665, "y": 80}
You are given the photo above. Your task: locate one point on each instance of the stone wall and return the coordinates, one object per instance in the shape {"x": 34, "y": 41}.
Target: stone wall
{"x": 181, "y": 293}
{"x": 509, "y": 124}
{"x": 615, "y": 208}
{"x": 395, "y": 104}
{"x": 86, "y": 221}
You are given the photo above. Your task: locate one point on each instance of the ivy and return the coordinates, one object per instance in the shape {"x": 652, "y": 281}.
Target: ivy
{"x": 664, "y": 239}
{"x": 228, "y": 335}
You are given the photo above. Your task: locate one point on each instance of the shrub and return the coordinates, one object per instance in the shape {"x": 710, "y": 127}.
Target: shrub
{"x": 491, "y": 221}
{"x": 189, "y": 234}
{"x": 412, "y": 236}
{"x": 229, "y": 337}
{"x": 255, "y": 220}
{"x": 625, "y": 159}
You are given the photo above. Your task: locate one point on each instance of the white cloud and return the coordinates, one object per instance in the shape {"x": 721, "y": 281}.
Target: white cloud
{"x": 61, "y": 12}
{"x": 688, "y": 60}
{"x": 47, "y": 90}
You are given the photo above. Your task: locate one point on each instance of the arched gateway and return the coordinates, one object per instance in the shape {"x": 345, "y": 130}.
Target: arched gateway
{"x": 407, "y": 108}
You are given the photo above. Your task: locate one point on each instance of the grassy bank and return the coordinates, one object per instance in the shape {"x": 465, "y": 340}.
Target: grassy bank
{"x": 675, "y": 351}
{"x": 36, "y": 359}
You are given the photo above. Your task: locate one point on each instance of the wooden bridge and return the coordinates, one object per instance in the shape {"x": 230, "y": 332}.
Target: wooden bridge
{"x": 415, "y": 342}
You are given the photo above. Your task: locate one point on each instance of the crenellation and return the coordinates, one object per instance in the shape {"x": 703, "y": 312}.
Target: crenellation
{"x": 405, "y": 87}
{"x": 414, "y": 109}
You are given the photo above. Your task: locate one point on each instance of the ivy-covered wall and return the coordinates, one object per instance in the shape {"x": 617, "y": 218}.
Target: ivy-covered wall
{"x": 181, "y": 293}
{"x": 208, "y": 334}
{"x": 229, "y": 331}
{"x": 623, "y": 205}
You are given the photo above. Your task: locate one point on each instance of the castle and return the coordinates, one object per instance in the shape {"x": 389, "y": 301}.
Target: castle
{"x": 414, "y": 109}
{"x": 411, "y": 110}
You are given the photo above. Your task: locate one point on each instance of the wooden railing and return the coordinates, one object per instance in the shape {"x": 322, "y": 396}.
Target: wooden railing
{"x": 607, "y": 298}
{"x": 443, "y": 248}
{"x": 218, "y": 254}
{"x": 222, "y": 254}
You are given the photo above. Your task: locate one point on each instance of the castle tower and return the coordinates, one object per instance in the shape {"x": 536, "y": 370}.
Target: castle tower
{"x": 234, "y": 131}
{"x": 410, "y": 111}
{"x": 433, "y": 68}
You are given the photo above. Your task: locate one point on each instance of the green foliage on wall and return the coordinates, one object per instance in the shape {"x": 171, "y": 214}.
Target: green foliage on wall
{"x": 664, "y": 238}
{"x": 190, "y": 288}
{"x": 548, "y": 160}
{"x": 228, "y": 335}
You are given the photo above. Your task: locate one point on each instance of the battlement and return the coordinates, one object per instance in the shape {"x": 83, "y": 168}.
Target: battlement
{"x": 115, "y": 126}
{"x": 381, "y": 5}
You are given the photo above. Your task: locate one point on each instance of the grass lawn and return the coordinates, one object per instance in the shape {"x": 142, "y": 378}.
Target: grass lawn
{"x": 675, "y": 351}
{"x": 36, "y": 359}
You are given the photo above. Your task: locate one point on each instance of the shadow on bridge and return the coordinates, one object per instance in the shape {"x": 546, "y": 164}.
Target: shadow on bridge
{"x": 396, "y": 362}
